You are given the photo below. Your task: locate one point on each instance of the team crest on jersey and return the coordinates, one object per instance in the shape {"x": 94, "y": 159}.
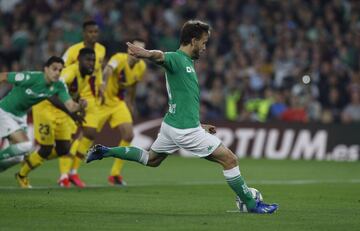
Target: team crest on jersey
{"x": 19, "y": 77}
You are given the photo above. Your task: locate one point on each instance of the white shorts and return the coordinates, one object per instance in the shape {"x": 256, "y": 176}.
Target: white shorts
{"x": 194, "y": 140}
{"x": 10, "y": 123}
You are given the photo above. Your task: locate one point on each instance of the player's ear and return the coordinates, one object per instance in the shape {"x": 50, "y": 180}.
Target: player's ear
{"x": 193, "y": 40}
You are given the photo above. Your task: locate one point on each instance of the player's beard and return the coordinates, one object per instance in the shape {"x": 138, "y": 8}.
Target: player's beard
{"x": 196, "y": 54}
{"x": 86, "y": 71}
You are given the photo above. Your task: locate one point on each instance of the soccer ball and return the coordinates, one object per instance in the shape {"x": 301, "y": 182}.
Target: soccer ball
{"x": 242, "y": 206}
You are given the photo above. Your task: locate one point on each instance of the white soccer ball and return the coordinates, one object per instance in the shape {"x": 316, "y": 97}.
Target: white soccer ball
{"x": 256, "y": 195}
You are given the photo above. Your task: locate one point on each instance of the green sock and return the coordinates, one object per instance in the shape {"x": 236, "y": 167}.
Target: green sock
{"x": 10, "y": 151}
{"x": 238, "y": 185}
{"x": 128, "y": 153}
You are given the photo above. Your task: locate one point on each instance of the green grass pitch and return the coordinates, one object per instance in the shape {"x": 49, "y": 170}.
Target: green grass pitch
{"x": 185, "y": 194}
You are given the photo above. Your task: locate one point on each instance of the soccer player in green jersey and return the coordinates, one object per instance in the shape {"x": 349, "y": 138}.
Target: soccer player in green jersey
{"x": 29, "y": 88}
{"x": 181, "y": 127}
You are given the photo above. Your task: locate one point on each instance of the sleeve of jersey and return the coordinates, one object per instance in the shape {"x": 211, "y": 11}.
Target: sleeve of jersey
{"x": 113, "y": 62}
{"x": 63, "y": 92}
{"x": 68, "y": 57}
{"x": 99, "y": 74}
{"x": 169, "y": 61}
{"x": 19, "y": 78}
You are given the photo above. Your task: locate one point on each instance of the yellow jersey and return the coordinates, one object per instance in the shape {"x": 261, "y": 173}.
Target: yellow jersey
{"x": 84, "y": 86}
{"x": 123, "y": 76}
{"x": 70, "y": 57}
{"x": 71, "y": 54}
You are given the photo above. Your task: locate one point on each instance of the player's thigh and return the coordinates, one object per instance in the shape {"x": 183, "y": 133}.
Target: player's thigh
{"x": 63, "y": 127}
{"x": 44, "y": 126}
{"x": 18, "y": 137}
{"x": 104, "y": 115}
{"x": 13, "y": 127}
{"x": 91, "y": 117}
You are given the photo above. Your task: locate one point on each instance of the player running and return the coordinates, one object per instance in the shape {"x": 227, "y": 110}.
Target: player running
{"x": 52, "y": 130}
{"x": 69, "y": 166}
{"x": 29, "y": 88}
{"x": 122, "y": 73}
{"x": 181, "y": 127}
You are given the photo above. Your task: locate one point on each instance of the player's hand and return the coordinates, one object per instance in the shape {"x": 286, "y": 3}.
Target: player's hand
{"x": 209, "y": 128}
{"x": 78, "y": 117}
{"x": 82, "y": 104}
{"x": 137, "y": 51}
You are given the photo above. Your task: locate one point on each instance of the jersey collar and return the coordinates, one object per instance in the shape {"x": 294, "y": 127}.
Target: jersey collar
{"x": 183, "y": 53}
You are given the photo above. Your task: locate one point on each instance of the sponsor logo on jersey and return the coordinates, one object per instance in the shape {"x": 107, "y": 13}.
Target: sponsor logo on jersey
{"x": 190, "y": 69}
{"x": 19, "y": 77}
{"x": 28, "y": 91}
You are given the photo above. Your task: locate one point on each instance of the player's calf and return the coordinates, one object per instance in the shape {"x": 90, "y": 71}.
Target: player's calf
{"x": 98, "y": 151}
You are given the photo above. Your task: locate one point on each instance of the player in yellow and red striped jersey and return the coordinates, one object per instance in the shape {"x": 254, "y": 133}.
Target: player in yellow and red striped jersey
{"x": 122, "y": 73}
{"x": 70, "y": 166}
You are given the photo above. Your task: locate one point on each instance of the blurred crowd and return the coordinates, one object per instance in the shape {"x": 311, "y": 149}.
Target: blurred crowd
{"x": 288, "y": 60}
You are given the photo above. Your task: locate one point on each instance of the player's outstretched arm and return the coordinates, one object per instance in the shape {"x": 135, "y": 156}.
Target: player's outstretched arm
{"x": 77, "y": 115}
{"x": 156, "y": 56}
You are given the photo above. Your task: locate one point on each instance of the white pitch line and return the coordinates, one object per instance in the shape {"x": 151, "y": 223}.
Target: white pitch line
{"x": 217, "y": 182}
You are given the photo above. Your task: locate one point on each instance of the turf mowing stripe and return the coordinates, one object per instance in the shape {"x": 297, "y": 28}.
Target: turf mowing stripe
{"x": 259, "y": 182}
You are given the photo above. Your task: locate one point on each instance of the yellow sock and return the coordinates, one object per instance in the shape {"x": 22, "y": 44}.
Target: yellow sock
{"x": 74, "y": 147}
{"x": 30, "y": 162}
{"x": 118, "y": 163}
{"x": 75, "y": 164}
{"x": 65, "y": 163}
{"x": 83, "y": 145}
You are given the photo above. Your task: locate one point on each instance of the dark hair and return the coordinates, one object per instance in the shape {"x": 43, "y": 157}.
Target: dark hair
{"x": 54, "y": 59}
{"x": 86, "y": 51}
{"x": 193, "y": 29}
{"x": 89, "y": 23}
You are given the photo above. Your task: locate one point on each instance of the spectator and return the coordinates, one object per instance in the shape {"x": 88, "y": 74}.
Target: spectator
{"x": 351, "y": 112}
{"x": 268, "y": 44}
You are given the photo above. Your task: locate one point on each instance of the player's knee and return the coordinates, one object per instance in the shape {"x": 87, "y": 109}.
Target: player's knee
{"x": 90, "y": 133}
{"x": 153, "y": 163}
{"x": 25, "y": 147}
{"x": 129, "y": 136}
{"x": 45, "y": 151}
{"x": 155, "y": 160}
